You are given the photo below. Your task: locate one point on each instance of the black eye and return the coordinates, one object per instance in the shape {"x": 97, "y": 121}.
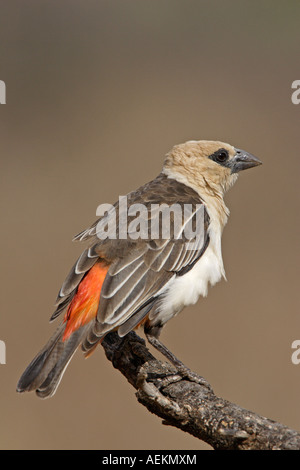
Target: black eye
{"x": 222, "y": 156}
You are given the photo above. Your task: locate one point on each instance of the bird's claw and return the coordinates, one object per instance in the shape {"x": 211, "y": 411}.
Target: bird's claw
{"x": 186, "y": 373}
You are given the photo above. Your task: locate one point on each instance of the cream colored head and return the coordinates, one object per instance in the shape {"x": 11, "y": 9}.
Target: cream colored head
{"x": 206, "y": 164}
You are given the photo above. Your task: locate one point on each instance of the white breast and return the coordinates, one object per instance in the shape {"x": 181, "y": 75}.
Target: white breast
{"x": 186, "y": 290}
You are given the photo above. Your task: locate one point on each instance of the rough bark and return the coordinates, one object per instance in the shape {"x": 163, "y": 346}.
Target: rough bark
{"x": 192, "y": 407}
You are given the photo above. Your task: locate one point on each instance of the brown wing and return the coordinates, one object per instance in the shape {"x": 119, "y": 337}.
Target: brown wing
{"x": 140, "y": 269}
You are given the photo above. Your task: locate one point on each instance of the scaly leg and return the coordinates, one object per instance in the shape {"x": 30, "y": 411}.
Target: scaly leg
{"x": 182, "y": 369}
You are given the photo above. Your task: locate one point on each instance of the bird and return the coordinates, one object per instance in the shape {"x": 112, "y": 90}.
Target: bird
{"x": 121, "y": 283}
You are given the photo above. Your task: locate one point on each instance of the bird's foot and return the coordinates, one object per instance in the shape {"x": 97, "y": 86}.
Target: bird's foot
{"x": 183, "y": 371}
{"x": 187, "y": 373}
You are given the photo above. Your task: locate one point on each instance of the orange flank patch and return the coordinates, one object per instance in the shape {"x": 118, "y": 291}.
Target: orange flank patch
{"x": 84, "y": 305}
{"x": 142, "y": 322}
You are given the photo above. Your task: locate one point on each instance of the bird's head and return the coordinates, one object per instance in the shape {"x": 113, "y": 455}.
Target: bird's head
{"x": 208, "y": 164}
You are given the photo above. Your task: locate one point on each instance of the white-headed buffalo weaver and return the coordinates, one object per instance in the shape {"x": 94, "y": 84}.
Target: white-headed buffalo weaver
{"x": 120, "y": 283}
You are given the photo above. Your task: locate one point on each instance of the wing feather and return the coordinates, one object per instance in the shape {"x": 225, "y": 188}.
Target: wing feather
{"x": 140, "y": 269}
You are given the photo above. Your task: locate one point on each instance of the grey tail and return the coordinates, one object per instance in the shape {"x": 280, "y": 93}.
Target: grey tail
{"x": 45, "y": 371}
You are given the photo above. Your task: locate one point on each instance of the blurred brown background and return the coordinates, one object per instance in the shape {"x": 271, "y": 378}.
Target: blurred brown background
{"x": 97, "y": 93}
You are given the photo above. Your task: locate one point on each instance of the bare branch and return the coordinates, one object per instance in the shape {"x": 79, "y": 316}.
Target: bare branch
{"x": 192, "y": 407}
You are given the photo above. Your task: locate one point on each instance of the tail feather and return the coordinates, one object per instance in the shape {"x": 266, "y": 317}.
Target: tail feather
{"x": 46, "y": 370}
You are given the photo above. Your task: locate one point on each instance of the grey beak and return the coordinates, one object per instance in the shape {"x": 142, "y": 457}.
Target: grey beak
{"x": 243, "y": 160}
